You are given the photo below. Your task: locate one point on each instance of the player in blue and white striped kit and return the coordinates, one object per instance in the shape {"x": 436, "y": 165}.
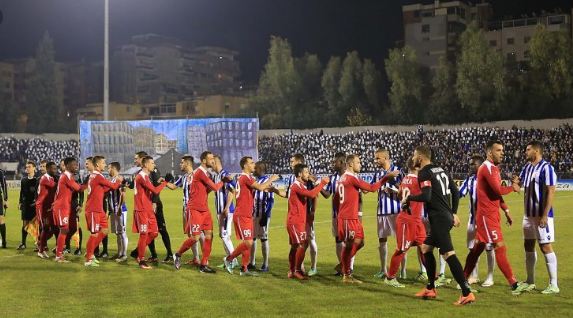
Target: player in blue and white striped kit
{"x": 118, "y": 213}
{"x": 469, "y": 189}
{"x": 539, "y": 179}
{"x": 263, "y": 205}
{"x": 184, "y": 182}
{"x": 224, "y": 205}
{"x": 388, "y": 208}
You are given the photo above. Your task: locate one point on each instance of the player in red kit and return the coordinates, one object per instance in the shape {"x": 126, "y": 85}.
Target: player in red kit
{"x": 243, "y": 216}
{"x": 201, "y": 220}
{"x": 44, "y": 201}
{"x": 144, "y": 221}
{"x": 410, "y": 229}
{"x": 297, "y": 218}
{"x": 63, "y": 204}
{"x": 349, "y": 226}
{"x": 95, "y": 215}
{"x": 489, "y": 198}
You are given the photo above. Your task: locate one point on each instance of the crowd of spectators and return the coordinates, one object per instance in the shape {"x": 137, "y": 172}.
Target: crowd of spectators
{"x": 452, "y": 148}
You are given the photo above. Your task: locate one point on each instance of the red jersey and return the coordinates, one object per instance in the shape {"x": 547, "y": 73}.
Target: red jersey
{"x": 347, "y": 189}
{"x": 46, "y": 192}
{"x": 489, "y": 190}
{"x": 201, "y": 185}
{"x": 245, "y": 196}
{"x": 410, "y": 182}
{"x": 97, "y": 187}
{"x": 298, "y": 199}
{"x": 144, "y": 191}
{"x": 66, "y": 187}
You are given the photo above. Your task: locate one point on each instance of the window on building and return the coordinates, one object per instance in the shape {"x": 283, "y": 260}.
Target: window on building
{"x": 556, "y": 19}
{"x": 492, "y": 43}
{"x": 526, "y": 39}
{"x": 425, "y": 28}
{"x": 510, "y": 41}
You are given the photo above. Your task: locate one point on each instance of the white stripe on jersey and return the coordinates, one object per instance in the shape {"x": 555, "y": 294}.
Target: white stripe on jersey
{"x": 222, "y": 194}
{"x": 388, "y": 203}
{"x": 469, "y": 188}
{"x": 183, "y": 182}
{"x": 331, "y": 188}
{"x": 535, "y": 179}
{"x": 263, "y": 200}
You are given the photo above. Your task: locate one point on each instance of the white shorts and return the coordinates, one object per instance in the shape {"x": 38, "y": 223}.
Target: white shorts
{"x": 261, "y": 231}
{"x": 225, "y": 225}
{"x": 471, "y": 236}
{"x": 532, "y": 231}
{"x": 387, "y": 225}
{"x": 310, "y": 231}
{"x": 118, "y": 222}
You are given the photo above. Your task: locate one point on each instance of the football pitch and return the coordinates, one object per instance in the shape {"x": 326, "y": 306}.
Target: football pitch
{"x": 32, "y": 287}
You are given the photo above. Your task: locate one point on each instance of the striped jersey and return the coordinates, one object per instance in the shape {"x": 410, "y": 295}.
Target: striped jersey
{"x": 184, "y": 182}
{"x": 113, "y": 200}
{"x": 264, "y": 200}
{"x": 469, "y": 188}
{"x": 388, "y": 203}
{"x": 331, "y": 188}
{"x": 222, "y": 194}
{"x": 535, "y": 180}
{"x": 291, "y": 180}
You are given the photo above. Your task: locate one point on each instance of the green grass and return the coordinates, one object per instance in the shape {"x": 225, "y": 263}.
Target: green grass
{"x": 40, "y": 288}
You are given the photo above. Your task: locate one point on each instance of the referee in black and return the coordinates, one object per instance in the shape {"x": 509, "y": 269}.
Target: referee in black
{"x": 441, "y": 198}
{"x": 3, "y": 206}
{"x": 27, "y": 201}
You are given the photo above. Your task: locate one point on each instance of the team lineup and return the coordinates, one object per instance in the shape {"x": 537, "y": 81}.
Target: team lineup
{"x": 417, "y": 204}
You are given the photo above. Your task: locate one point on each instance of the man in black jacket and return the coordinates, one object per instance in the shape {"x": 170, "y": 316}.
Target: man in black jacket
{"x": 27, "y": 202}
{"x": 3, "y": 207}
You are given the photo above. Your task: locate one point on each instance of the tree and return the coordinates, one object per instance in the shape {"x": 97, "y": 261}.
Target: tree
{"x": 310, "y": 105}
{"x": 350, "y": 87}
{"x": 443, "y": 106}
{"x": 406, "y": 84}
{"x": 371, "y": 81}
{"x": 329, "y": 83}
{"x": 480, "y": 76}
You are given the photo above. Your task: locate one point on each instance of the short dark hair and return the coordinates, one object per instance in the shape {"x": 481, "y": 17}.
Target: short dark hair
{"x": 30, "y": 162}
{"x": 244, "y": 160}
{"x": 492, "y": 142}
{"x": 536, "y": 144}
{"x": 340, "y": 156}
{"x": 50, "y": 164}
{"x": 261, "y": 163}
{"x": 69, "y": 160}
{"x": 298, "y": 157}
{"x": 298, "y": 169}
{"x": 383, "y": 150}
{"x": 90, "y": 159}
{"x": 425, "y": 151}
{"x": 477, "y": 158}
{"x": 188, "y": 158}
{"x": 216, "y": 156}
{"x": 43, "y": 161}
{"x": 97, "y": 159}
{"x": 141, "y": 154}
{"x": 410, "y": 164}
{"x": 204, "y": 155}
{"x": 350, "y": 158}
{"x": 115, "y": 165}
{"x": 145, "y": 159}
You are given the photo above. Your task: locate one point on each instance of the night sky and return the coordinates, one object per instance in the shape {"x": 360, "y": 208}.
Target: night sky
{"x": 325, "y": 27}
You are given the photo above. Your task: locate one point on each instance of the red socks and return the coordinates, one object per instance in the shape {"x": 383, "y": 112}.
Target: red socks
{"x": 299, "y": 258}
{"x": 238, "y": 251}
{"x": 61, "y": 242}
{"x": 141, "y": 245}
{"x": 187, "y": 244}
{"x": 503, "y": 264}
{"x": 206, "y": 251}
{"x": 395, "y": 263}
{"x": 473, "y": 258}
{"x": 292, "y": 259}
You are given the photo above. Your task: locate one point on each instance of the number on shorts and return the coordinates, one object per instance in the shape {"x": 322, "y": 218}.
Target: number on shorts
{"x": 247, "y": 233}
{"x": 351, "y": 234}
{"x": 302, "y": 236}
{"x": 195, "y": 228}
{"x": 494, "y": 235}
{"x": 445, "y": 183}
{"x": 340, "y": 192}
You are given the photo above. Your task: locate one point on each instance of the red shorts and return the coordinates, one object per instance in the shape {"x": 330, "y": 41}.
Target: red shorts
{"x": 488, "y": 229}
{"x": 296, "y": 233}
{"x": 199, "y": 221}
{"x": 44, "y": 217}
{"x": 144, "y": 222}
{"x": 61, "y": 217}
{"x": 350, "y": 229}
{"x": 243, "y": 227}
{"x": 96, "y": 221}
{"x": 410, "y": 231}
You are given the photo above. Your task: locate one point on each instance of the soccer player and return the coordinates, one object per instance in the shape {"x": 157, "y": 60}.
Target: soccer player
{"x": 63, "y": 204}
{"x": 27, "y": 202}
{"x": 3, "y": 207}
{"x": 118, "y": 212}
{"x": 539, "y": 179}
{"x": 388, "y": 208}
{"x": 77, "y": 203}
{"x": 296, "y": 218}
{"x": 46, "y": 195}
{"x": 96, "y": 217}
{"x": 264, "y": 201}
{"x": 339, "y": 167}
{"x": 469, "y": 188}
{"x": 243, "y": 216}
{"x": 144, "y": 221}
{"x": 489, "y": 196}
{"x": 410, "y": 230}
{"x": 349, "y": 226}
{"x": 441, "y": 199}
{"x": 201, "y": 220}
{"x": 224, "y": 205}
{"x": 184, "y": 182}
